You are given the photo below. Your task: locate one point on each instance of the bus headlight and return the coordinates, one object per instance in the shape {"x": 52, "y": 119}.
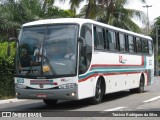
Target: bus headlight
{"x": 21, "y": 86}
{"x": 67, "y": 86}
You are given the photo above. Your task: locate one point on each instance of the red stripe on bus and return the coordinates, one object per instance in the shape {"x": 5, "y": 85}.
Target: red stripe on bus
{"x": 84, "y": 79}
{"x": 109, "y": 74}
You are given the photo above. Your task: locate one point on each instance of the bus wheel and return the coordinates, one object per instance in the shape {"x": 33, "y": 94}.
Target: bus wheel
{"x": 50, "y": 102}
{"x": 140, "y": 89}
{"x": 98, "y": 93}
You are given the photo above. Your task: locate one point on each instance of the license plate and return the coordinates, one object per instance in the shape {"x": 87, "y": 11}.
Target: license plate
{"x": 41, "y": 95}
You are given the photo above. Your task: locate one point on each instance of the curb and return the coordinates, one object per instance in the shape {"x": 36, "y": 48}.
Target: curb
{"x": 11, "y": 100}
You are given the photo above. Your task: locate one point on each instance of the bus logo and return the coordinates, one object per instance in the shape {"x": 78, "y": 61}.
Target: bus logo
{"x": 122, "y": 60}
{"x": 41, "y": 85}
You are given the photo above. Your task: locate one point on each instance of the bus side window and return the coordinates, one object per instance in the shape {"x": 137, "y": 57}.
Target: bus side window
{"x": 112, "y": 40}
{"x": 98, "y": 38}
{"x": 85, "y": 60}
{"x": 150, "y": 45}
{"x": 122, "y": 43}
{"x": 138, "y": 45}
{"x": 145, "y": 48}
{"x": 131, "y": 44}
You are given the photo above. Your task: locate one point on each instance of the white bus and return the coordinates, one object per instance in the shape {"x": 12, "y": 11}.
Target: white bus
{"x": 80, "y": 58}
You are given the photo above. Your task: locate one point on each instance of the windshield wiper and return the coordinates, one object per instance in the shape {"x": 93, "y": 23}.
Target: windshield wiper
{"x": 49, "y": 65}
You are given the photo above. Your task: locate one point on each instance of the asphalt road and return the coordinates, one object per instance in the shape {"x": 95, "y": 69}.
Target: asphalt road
{"x": 120, "y": 101}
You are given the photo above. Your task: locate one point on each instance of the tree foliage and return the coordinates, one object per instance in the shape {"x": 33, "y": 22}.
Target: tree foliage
{"x": 15, "y": 13}
{"x": 7, "y": 70}
{"x": 114, "y": 13}
{"x": 153, "y": 30}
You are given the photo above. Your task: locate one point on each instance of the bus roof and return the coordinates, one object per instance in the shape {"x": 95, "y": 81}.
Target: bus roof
{"x": 81, "y": 21}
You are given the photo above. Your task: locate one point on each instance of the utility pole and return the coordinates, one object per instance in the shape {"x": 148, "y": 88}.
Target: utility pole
{"x": 147, "y": 6}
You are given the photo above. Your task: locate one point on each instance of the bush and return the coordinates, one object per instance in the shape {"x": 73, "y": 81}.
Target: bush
{"x": 6, "y": 70}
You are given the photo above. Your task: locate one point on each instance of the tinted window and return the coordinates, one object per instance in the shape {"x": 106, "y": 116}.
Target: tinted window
{"x": 85, "y": 60}
{"x": 45, "y": 48}
{"x": 150, "y": 47}
{"x": 145, "y": 48}
{"x": 138, "y": 45}
{"x": 131, "y": 44}
{"x": 112, "y": 40}
{"x": 122, "y": 44}
{"x": 98, "y": 38}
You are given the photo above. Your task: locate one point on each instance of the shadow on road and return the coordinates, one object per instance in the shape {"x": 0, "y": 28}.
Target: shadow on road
{"x": 38, "y": 105}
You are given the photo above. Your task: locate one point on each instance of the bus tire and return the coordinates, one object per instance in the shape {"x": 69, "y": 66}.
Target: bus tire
{"x": 50, "y": 102}
{"x": 140, "y": 89}
{"x": 99, "y": 92}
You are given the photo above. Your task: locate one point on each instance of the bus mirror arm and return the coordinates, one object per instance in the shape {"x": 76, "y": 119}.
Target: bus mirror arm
{"x": 82, "y": 40}
{"x": 12, "y": 39}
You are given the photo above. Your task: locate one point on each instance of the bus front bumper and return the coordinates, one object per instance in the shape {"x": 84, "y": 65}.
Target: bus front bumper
{"x": 55, "y": 94}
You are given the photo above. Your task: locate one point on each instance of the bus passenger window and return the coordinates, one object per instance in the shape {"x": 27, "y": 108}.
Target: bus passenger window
{"x": 145, "y": 46}
{"x": 112, "y": 40}
{"x": 138, "y": 45}
{"x": 98, "y": 38}
{"x": 131, "y": 44}
{"x": 150, "y": 47}
{"x": 122, "y": 42}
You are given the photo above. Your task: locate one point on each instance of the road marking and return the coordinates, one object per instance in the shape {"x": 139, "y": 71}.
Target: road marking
{"x": 114, "y": 109}
{"x": 152, "y": 99}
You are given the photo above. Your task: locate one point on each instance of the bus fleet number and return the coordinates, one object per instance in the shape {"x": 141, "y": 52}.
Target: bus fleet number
{"x": 20, "y": 80}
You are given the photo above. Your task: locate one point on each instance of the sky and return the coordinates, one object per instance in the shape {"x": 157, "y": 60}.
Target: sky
{"x": 153, "y": 12}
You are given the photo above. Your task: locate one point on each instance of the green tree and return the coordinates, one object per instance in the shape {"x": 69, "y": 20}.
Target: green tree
{"x": 46, "y": 4}
{"x": 9, "y": 19}
{"x": 7, "y": 70}
{"x": 122, "y": 17}
{"x": 111, "y": 12}
{"x": 55, "y": 12}
{"x": 153, "y": 31}
{"x": 15, "y": 13}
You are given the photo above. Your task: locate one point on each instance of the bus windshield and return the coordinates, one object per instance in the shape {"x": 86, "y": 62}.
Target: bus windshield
{"x": 47, "y": 50}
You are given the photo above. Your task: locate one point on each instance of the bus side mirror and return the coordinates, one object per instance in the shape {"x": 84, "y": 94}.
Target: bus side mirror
{"x": 83, "y": 46}
{"x": 12, "y": 39}
{"x": 81, "y": 40}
